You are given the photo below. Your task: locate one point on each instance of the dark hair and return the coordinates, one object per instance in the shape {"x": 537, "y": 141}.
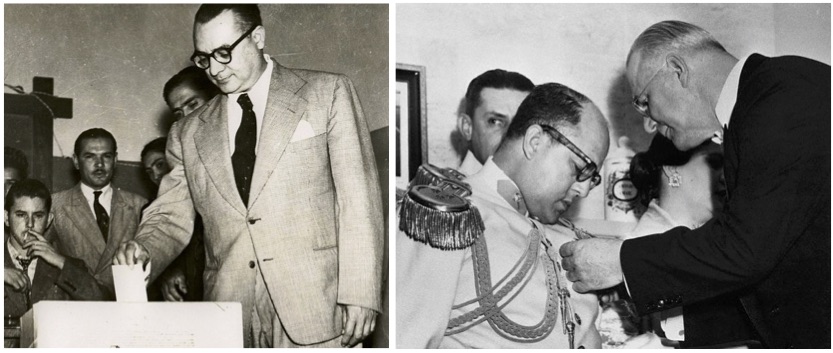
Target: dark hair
{"x": 550, "y": 104}
{"x": 247, "y": 15}
{"x": 498, "y": 79}
{"x": 14, "y": 158}
{"x": 94, "y": 133}
{"x": 646, "y": 167}
{"x": 626, "y": 310}
{"x": 29, "y": 188}
{"x": 157, "y": 145}
{"x": 193, "y": 77}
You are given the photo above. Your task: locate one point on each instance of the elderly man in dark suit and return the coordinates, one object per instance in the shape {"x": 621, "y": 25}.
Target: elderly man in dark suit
{"x": 281, "y": 169}
{"x": 771, "y": 246}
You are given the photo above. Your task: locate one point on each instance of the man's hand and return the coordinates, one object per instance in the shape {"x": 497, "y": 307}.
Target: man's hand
{"x": 131, "y": 253}
{"x": 15, "y": 278}
{"x": 592, "y": 264}
{"x": 173, "y": 287}
{"x": 42, "y": 249}
{"x": 358, "y": 323}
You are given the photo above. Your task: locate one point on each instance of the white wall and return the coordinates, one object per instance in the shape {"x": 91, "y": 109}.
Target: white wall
{"x": 581, "y": 45}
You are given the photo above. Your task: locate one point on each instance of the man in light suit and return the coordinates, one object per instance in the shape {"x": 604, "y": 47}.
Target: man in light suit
{"x": 93, "y": 217}
{"x": 281, "y": 169}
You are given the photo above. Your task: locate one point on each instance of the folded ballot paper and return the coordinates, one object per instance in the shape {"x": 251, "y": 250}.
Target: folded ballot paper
{"x": 131, "y": 321}
{"x": 131, "y": 283}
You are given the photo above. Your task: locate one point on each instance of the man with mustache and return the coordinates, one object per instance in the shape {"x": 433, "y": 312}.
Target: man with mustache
{"x": 93, "y": 217}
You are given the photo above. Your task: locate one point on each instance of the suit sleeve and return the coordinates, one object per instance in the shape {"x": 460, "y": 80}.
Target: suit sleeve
{"x": 168, "y": 222}
{"x": 777, "y": 157}
{"x": 426, "y": 282}
{"x": 358, "y": 200}
{"x": 77, "y": 282}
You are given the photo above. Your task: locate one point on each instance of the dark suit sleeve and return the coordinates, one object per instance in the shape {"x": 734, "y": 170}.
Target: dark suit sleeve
{"x": 358, "y": 200}
{"x": 77, "y": 282}
{"x": 778, "y": 173}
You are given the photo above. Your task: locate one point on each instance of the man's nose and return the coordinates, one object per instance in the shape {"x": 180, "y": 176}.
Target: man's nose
{"x": 99, "y": 162}
{"x": 30, "y": 222}
{"x": 214, "y": 66}
{"x": 582, "y": 188}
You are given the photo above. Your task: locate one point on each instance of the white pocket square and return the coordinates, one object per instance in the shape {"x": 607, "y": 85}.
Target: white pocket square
{"x": 303, "y": 131}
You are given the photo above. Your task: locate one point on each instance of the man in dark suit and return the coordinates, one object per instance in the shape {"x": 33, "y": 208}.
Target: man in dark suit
{"x": 33, "y": 269}
{"x": 281, "y": 169}
{"x": 92, "y": 218}
{"x": 771, "y": 246}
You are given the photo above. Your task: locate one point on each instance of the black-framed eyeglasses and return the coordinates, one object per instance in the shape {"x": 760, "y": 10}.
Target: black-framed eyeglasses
{"x": 590, "y": 169}
{"x": 640, "y": 104}
{"x": 221, "y": 54}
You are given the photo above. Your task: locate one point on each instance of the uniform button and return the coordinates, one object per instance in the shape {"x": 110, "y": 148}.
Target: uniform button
{"x": 251, "y": 264}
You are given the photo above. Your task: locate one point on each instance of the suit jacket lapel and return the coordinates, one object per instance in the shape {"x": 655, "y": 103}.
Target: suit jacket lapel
{"x": 79, "y": 213}
{"x": 211, "y": 140}
{"x": 119, "y": 213}
{"x": 284, "y": 109}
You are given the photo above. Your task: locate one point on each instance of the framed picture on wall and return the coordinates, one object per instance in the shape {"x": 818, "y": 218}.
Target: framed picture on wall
{"x": 411, "y": 118}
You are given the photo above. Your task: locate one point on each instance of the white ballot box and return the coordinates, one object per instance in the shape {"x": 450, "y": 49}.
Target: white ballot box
{"x": 79, "y": 324}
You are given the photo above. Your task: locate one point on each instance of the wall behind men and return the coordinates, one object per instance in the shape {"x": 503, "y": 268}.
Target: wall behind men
{"x": 113, "y": 60}
{"x": 581, "y": 45}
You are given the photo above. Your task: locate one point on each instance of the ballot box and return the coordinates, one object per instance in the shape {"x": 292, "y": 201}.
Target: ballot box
{"x": 79, "y": 324}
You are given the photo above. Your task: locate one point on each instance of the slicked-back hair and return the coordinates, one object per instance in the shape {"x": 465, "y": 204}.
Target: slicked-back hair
{"x": 498, "y": 79}
{"x": 673, "y": 35}
{"x": 28, "y": 188}
{"x": 550, "y": 104}
{"x": 247, "y": 15}
{"x": 157, "y": 145}
{"x": 94, "y": 133}
{"x": 14, "y": 158}
{"x": 193, "y": 77}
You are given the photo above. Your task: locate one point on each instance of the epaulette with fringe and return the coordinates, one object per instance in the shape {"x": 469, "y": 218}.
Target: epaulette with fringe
{"x": 444, "y": 178}
{"x": 435, "y": 210}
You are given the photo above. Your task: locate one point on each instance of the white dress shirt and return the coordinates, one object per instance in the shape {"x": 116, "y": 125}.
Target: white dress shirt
{"x": 105, "y": 199}
{"x": 470, "y": 165}
{"x": 727, "y": 99}
{"x": 258, "y": 94}
{"x": 14, "y": 253}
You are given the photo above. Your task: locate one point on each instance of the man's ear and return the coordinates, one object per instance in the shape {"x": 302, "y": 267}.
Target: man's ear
{"x": 464, "y": 125}
{"x": 533, "y": 141}
{"x": 259, "y": 36}
{"x": 680, "y": 68}
{"x": 6, "y": 217}
{"x": 49, "y": 220}
{"x": 75, "y": 162}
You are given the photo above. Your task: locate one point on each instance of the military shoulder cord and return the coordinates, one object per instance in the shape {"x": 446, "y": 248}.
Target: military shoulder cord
{"x": 489, "y": 309}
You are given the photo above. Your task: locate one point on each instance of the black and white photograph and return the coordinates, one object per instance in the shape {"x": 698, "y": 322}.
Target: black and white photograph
{"x": 617, "y": 176}
{"x": 211, "y": 176}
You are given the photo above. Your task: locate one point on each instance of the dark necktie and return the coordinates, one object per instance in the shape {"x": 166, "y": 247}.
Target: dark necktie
{"x": 101, "y": 216}
{"x": 243, "y": 159}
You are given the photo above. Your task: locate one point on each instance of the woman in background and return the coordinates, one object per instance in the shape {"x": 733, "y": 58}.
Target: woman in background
{"x": 686, "y": 188}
